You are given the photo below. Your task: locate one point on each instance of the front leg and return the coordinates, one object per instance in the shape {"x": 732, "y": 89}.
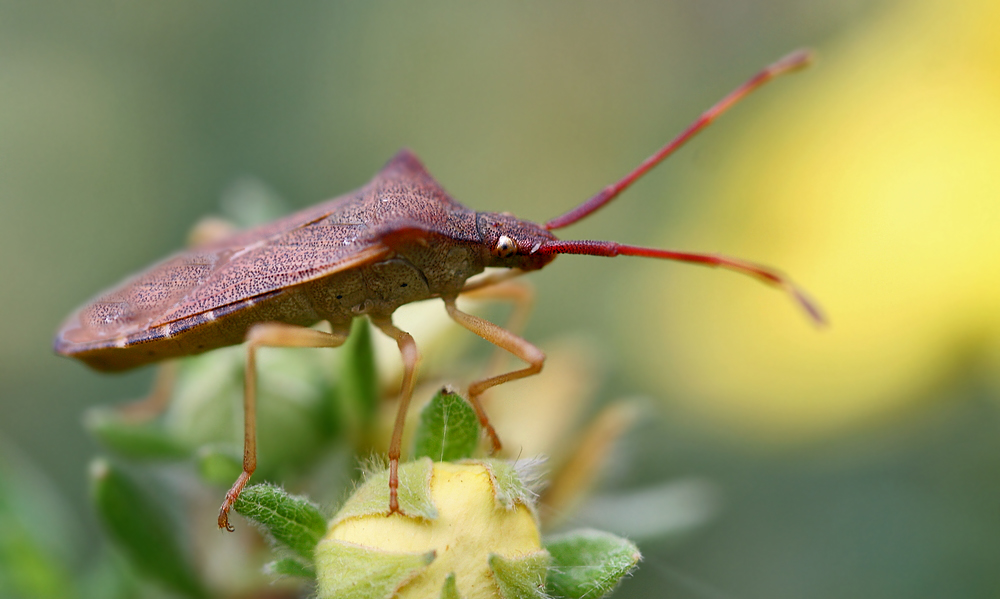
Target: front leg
{"x": 503, "y": 338}
{"x": 518, "y": 293}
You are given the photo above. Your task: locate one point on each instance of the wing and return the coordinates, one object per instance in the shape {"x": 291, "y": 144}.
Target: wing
{"x": 345, "y": 232}
{"x": 339, "y": 234}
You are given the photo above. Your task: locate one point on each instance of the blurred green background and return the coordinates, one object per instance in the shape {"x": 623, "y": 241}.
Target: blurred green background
{"x": 862, "y": 460}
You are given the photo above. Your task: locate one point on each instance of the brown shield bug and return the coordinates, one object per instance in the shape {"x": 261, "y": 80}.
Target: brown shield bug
{"x": 399, "y": 239}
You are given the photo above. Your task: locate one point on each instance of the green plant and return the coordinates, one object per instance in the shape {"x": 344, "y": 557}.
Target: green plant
{"x": 320, "y": 413}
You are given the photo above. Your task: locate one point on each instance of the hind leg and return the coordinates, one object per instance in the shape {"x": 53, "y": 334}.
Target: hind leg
{"x": 158, "y": 399}
{"x": 268, "y": 334}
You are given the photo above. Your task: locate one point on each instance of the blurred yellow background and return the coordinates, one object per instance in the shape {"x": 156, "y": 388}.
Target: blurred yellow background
{"x": 879, "y": 186}
{"x": 857, "y": 460}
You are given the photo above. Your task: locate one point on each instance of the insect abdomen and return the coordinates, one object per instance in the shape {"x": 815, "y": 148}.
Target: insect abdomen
{"x": 195, "y": 334}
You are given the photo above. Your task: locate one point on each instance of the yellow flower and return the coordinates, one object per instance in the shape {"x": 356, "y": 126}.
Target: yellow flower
{"x": 467, "y": 530}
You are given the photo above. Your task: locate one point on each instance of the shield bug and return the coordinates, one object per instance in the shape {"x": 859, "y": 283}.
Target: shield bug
{"x": 399, "y": 239}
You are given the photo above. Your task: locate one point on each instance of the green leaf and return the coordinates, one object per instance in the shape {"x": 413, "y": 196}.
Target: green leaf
{"x": 290, "y": 567}
{"x": 520, "y": 577}
{"x": 292, "y": 521}
{"x": 36, "y": 534}
{"x": 207, "y": 395}
{"x": 292, "y": 383}
{"x": 140, "y": 528}
{"x": 449, "y": 429}
{"x": 589, "y": 563}
{"x": 449, "y": 590}
{"x": 357, "y": 390}
{"x": 146, "y": 440}
{"x": 349, "y": 571}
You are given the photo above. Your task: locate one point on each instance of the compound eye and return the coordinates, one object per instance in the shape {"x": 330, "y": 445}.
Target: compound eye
{"x": 505, "y": 247}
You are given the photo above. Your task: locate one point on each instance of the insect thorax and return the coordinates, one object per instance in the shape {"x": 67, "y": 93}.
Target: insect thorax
{"x": 416, "y": 272}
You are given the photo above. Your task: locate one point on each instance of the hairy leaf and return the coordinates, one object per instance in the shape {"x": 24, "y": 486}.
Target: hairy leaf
{"x": 449, "y": 429}
{"x": 292, "y": 521}
{"x": 588, "y": 563}
{"x": 291, "y": 567}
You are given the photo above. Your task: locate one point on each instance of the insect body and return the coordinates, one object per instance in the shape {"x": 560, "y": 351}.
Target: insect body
{"x": 399, "y": 239}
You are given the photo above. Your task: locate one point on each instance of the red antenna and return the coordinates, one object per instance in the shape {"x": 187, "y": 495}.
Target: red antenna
{"x": 793, "y": 62}
{"x": 761, "y": 273}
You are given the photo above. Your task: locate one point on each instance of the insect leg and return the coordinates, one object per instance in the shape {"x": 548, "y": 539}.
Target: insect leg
{"x": 519, "y": 293}
{"x": 408, "y": 348}
{"x": 268, "y": 334}
{"x": 156, "y": 402}
{"x": 491, "y": 279}
{"x": 501, "y": 338}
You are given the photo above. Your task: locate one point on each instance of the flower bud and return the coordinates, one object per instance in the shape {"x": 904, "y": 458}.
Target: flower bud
{"x": 466, "y": 530}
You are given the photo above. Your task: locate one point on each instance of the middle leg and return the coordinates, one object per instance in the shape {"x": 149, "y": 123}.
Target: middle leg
{"x": 408, "y": 348}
